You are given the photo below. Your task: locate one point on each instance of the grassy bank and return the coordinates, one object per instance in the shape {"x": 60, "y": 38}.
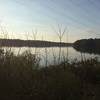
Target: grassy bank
{"x": 21, "y": 78}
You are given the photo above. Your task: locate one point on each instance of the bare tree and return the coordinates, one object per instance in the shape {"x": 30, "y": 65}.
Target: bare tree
{"x": 67, "y": 40}
{"x": 54, "y": 56}
{"x": 27, "y": 36}
{"x": 46, "y": 55}
{"x": 34, "y": 33}
{"x": 60, "y": 33}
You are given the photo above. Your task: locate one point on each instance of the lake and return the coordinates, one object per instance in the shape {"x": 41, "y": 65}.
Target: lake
{"x": 51, "y": 55}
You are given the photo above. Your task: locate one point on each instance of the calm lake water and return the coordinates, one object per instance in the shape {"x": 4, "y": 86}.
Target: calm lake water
{"x": 51, "y": 54}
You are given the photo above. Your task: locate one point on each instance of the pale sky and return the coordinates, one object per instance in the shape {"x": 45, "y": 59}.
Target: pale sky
{"x": 20, "y": 17}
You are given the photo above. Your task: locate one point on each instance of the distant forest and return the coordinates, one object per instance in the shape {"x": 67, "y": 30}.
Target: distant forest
{"x": 88, "y": 45}
{"x": 31, "y": 43}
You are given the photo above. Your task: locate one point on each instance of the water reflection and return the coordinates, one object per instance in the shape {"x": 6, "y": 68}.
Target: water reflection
{"x": 88, "y": 50}
{"x": 50, "y": 56}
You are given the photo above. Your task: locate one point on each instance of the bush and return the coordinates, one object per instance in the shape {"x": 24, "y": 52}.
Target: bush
{"x": 21, "y": 78}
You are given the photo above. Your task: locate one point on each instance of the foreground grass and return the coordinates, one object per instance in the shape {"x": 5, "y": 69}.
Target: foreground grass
{"x": 21, "y": 78}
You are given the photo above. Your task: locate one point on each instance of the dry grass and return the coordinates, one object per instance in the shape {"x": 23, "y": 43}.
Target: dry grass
{"x": 21, "y": 78}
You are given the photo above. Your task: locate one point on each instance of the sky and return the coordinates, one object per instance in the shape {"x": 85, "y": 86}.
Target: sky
{"x": 22, "y": 18}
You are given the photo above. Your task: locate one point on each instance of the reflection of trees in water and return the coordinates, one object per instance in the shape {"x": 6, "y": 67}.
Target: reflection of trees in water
{"x": 90, "y": 50}
{"x": 83, "y": 58}
{"x": 91, "y": 46}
